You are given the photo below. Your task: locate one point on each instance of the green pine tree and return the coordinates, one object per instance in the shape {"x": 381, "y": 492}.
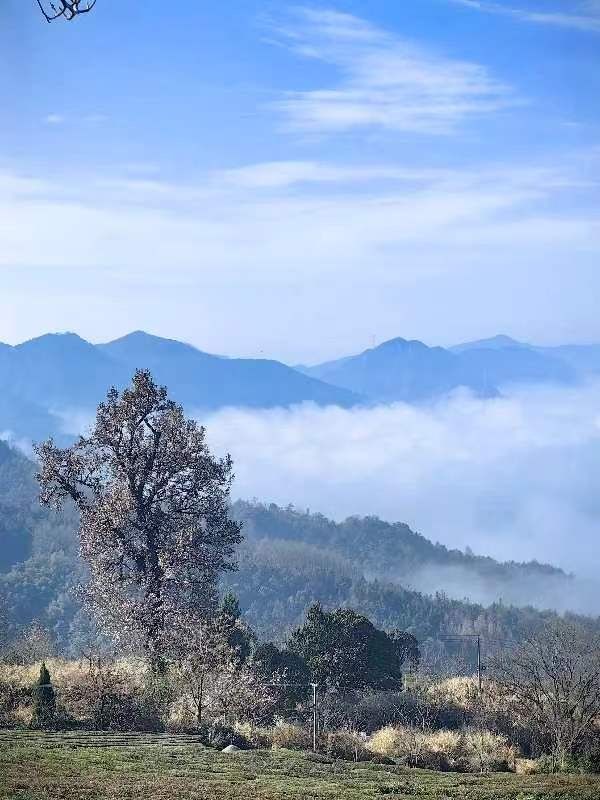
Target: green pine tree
{"x": 230, "y": 605}
{"x": 44, "y": 700}
{"x": 240, "y": 637}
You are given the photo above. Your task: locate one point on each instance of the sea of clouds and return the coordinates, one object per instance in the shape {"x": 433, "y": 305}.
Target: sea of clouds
{"x": 515, "y": 477}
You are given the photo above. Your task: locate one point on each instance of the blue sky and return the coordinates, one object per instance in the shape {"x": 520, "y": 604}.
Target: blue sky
{"x": 300, "y": 181}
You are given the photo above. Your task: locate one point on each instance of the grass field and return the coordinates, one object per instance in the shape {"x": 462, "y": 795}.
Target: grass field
{"x": 74, "y": 767}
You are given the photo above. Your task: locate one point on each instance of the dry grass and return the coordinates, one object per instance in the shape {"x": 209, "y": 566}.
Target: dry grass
{"x": 347, "y": 745}
{"x": 485, "y": 751}
{"x": 66, "y": 673}
{"x": 468, "y": 751}
{"x": 290, "y": 737}
{"x": 385, "y": 742}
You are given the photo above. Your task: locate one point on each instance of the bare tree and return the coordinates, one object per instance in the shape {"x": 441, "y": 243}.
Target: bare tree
{"x": 154, "y": 523}
{"x": 68, "y": 9}
{"x": 553, "y": 680}
{"x": 33, "y": 643}
{"x": 207, "y": 654}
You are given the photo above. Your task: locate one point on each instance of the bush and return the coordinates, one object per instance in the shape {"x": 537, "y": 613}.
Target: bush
{"x": 362, "y": 710}
{"x": 346, "y": 745}
{"x": 106, "y": 698}
{"x": 15, "y": 704}
{"x": 447, "y": 745}
{"x": 258, "y": 737}
{"x": 470, "y": 751}
{"x": 216, "y": 735}
{"x": 291, "y": 737}
{"x": 408, "y": 746}
{"x": 385, "y": 742}
{"x": 484, "y": 751}
{"x": 526, "y": 766}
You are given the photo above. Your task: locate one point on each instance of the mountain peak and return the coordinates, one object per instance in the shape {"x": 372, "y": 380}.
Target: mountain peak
{"x": 499, "y": 342}
{"x": 139, "y": 340}
{"x": 55, "y": 341}
{"x": 141, "y": 336}
{"x": 398, "y": 344}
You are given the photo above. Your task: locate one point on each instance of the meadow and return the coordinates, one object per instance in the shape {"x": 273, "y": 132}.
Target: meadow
{"x": 78, "y": 766}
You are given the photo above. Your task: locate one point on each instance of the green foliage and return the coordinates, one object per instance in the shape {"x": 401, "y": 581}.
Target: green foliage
{"x": 44, "y": 700}
{"x": 343, "y": 649}
{"x": 273, "y": 664}
{"x": 230, "y": 606}
{"x": 240, "y": 636}
{"x": 270, "y": 662}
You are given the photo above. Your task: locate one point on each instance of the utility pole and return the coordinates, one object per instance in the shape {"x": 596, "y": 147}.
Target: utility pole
{"x": 457, "y": 637}
{"x": 314, "y": 725}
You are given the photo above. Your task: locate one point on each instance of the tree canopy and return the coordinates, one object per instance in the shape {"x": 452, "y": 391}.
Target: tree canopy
{"x": 343, "y": 649}
{"x": 154, "y": 524}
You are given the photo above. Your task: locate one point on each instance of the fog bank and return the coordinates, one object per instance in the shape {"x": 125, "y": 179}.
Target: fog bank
{"x": 516, "y": 477}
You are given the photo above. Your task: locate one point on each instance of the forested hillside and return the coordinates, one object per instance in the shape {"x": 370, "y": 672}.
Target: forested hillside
{"x": 393, "y": 552}
{"x": 288, "y": 560}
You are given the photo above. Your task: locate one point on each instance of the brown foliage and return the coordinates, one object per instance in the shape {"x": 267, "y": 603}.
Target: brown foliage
{"x": 154, "y": 524}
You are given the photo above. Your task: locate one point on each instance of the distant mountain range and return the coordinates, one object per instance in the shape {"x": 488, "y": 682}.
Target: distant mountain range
{"x": 411, "y": 371}
{"x": 59, "y": 374}
{"x": 62, "y": 373}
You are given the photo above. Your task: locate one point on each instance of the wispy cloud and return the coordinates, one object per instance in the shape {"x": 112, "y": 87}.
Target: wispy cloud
{"x": 229, "y": 218}
{"x": 585, "y": 18}
{"x": 279, "y": 174}
{"x": 54, "y": 119}
{"x": 269, "y": 240}
{"x": 384, "y": 81}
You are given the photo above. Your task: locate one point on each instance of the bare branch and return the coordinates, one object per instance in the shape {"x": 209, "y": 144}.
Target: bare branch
{"x": 68, "y": 9}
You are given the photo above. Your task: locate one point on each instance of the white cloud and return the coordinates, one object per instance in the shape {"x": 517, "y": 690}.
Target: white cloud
{"x": 586, "y": 18}
{"x": 385, "y": 81}
{"x": 514, "y": 477}
{"x": 279, "y": 174}
{"x": 281, "y": 244}
{"x": 229, "y": 219}
{"x": 54, "y": 119}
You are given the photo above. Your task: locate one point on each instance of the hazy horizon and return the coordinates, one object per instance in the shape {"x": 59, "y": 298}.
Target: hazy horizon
{"x": 346, "y": 173}
{"x": 341, "y": 354}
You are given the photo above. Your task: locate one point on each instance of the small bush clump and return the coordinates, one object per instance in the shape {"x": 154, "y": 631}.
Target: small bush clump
{"x": 346, "y": 745}
{"x": 44, "y": 700}
{"x": 291, "y": 737}
{"x": 259, "y": 737}
{"x": 467, "y": 751}
{"x": 484, "y": 751}
{"x": 405, "y": 745}
{"x": 217, "y": 735}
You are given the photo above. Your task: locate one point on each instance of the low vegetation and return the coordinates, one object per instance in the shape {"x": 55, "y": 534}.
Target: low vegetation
{"x": 41, "y": 769}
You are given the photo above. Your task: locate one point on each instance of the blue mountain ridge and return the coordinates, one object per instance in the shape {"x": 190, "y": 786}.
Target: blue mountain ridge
{"x": 62, "y": 373}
